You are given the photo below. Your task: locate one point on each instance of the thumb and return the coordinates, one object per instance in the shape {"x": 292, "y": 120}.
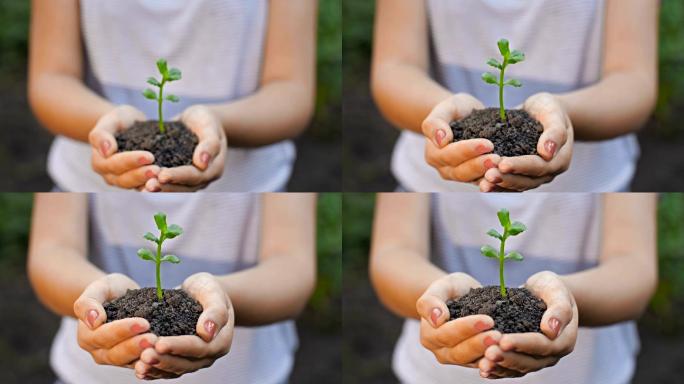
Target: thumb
{"x": 432, "y": 304}
{"x": 556, "y": 317}
{"x": 88, "y": 307}
{"x": 437, "y": 130}
{"x": 559, "y": 303}
{"x": 433, "y": 309}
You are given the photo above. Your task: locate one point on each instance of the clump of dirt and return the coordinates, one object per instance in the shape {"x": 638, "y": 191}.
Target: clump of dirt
{"x": 172, "y": 148}
{"x": 175, "y": 315}
{"x": 519, "y": 312}
{"x": 517, "y": 136}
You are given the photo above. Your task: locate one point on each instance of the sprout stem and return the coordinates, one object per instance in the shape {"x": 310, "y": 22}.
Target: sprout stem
{"x": 158, "y": 262}
{"x": 502, "y": 111}
{"x": 502, "y": 287}
{"x": 162, "y": 129}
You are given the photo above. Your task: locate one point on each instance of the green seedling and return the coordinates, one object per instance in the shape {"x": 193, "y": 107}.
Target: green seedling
{"x": 509, "y": 57}
{"x": 167, "y": 76}
{"x": 510, "y": 229}
{"x": 165, "y": 232}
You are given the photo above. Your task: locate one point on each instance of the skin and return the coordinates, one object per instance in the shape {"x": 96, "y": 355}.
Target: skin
{"x": 409, "y": 285}
{"x": 69, "y": 285}
{"x": 618, "y": 104}
{"x": 262, "y": 118}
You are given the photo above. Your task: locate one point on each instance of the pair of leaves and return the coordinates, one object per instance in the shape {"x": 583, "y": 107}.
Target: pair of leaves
{"x": 146, "y": 254}
{"x": 511, "y": 57}
{"x": 168, "y": 75}
{"x": 489, "y": 251}
{"x": 168, "y": 232}
{"x": 152, "y": 95}
{"x": 172, "y": 74}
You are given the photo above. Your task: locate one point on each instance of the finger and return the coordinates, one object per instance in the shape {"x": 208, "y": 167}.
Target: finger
{"x": 470, "y": 170}
{"x": 173, "y": 364}
{"x": 457, "y": 331}
{"x": 135, "y": 178}
{"x": 215, "y": 305}
{"x": 102, "y": 135}
{"x": 122, "y": 162}
{"x": 473, "y": 348}
{"x": 195, "y": 347}
{"x": 153, "y": 185}
{"x": 176, "y": 188}
{"x": 559, "y": 303}
{"x": 432, "y": 304}
{"x": 103, "y": 141}
{"x": 519, "y": 362}
{"x": 457, "y": 153}
{"x": 531, "y": 343}
{"x": 437, "y": 130}
{"x": 554, "y": 135}
{"x": 127, "y": 351}
{"x": 187, "y": 175}
{"x": 207, "y": 150}
{"x": 110, "y": 334}
{"x": 515, "y": 182}
{"x": 529, "y": 165}
{"x": 145, "y": 371}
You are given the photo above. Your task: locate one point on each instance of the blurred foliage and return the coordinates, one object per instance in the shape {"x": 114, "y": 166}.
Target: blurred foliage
{"x": 358, "y": 36}
{"x": 667, "y": 305}
{"x": 14, "y": 22}
{"x": 15, "y": 220}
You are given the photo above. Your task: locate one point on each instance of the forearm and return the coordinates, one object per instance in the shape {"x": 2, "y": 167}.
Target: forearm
{"x": 400, "y": 276}
{"x": 616, "y": 290}
{"x": 65, "y": 106}
{"x": 278, "y": 111}
{"x": 276, "y": 289}
{"x": 60, "y": 278}
{"x": 405, "y": 94}
{"x": 619, "y": 104}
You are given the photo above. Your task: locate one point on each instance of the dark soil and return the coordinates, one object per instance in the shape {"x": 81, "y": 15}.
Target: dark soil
{"x": 520, "y": 312}
{"x": 176, "y": 315}
{"x": 517, "y": 136}
{"x": 171, "y": 149}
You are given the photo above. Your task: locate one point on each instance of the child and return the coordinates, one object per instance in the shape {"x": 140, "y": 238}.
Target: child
{"x": 241, "y": 258}
{"x": 248, "y": 82}
{"x": 590, "y": 73}
{"x": 601, "y": 250}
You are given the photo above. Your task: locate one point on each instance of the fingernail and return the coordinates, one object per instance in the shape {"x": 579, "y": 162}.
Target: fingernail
{"x": 434, "y": 316}
{"x": 489, "y": 341}
{"x": 137, "y": 328}
{"x": 204, "y": 158}
{"x": 497, "y": 180}
{"x": 554, "y": 324}
{"x": 210, "y": 327}
{"x": 484, "y": 375}
{"x": 498, "y": 358}
{"x": 153, "y": 361}
{"x": 143, "y": 160}
{"x": 439, "y": 136}
{"x": 149, "y": 174}
{"x": 550, "y": 147}
{"x": 91, "y": 317}
{"x": 104, "y": 148}
{"x": 482, "y": 326}
{"x": 482, "y": 149}
{"x": 489, "y": 164}
{"x": 144, "y": 344}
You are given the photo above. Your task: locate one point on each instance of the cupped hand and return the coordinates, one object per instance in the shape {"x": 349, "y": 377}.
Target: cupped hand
{"x": 117, "y": 343}
{"x": 555, "y": 145}
{"x": 208, "y": 159}
{"x": 130, "y": 169}
{"x": 518, "y": 354}
{"x": 466, "y": 160}
{"x": 462, "y": 341}
{"x": 174, "y": 356}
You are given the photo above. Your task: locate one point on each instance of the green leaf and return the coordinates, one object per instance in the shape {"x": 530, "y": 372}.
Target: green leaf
{"x": 503, "y": 47}
{"x": 145, "y": 254}
{"x": 150, "y": 94}
{"x": 516, "y": 57}
{"x": 172, "y": 98}
{"x": 504, "y": 218}
{"x": 153, "y": 81}
{"x": 173, "y": 230}
{"x": 163, "y": 67}
{"x": 171, "y": 259}
{"x": 174, "y": 74}
{"x": 160, "y": 220}
{"x": 489, "y": 78}
{"x": 149, "y": 236}
{"x": 514, "y": 83}
{"x": 488, "y": 251}
{"x": 494, "y": 233}
{"x": 514, "y": 255}
{"x": 494, "y": 63}
{"x": 516, "y": 228}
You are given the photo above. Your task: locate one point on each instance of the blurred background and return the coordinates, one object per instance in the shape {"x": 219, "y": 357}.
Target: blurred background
{"x": 369, "y": 139}
{"x": 24, "y": 143}
{"x": 28, "y": 327}
{"x": 370, "y": 330}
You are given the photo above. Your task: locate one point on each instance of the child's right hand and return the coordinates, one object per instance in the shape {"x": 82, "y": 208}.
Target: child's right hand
{"x": 462, "y": 341}
{"x": 128, "y": 170}
{"x": 120, "y": 342}
{"x": 466, "y": 160}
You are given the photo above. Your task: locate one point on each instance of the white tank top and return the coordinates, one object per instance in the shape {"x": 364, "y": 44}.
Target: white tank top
{"x": 562, "y": 41}
{"x": 563, "y": 236}
{"x": 231, "y": 220}
{"x": 218, "y": 44}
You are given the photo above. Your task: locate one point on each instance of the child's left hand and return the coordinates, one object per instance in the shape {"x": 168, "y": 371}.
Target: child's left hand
{"x": 518, "y": 354}
{"x": 522, "y": 173}
{"x": 207, "y": 161}
{"x": 174, "y": 356}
